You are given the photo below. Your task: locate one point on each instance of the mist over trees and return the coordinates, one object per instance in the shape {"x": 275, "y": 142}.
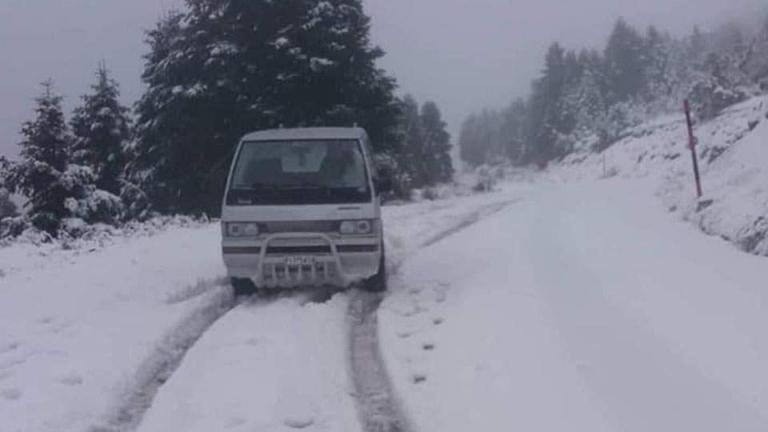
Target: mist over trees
{"x": 593, "y": 96}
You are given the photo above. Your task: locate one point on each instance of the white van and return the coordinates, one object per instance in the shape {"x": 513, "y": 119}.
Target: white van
{"x": 301, "y": 209}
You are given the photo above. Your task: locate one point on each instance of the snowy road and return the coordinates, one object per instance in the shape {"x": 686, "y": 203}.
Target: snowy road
{"x": 583, "y": 308}
{"x": 305, "y": 360}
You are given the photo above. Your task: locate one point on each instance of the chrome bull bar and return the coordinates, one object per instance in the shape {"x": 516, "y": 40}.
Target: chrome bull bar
{"x": 276, "y": 272}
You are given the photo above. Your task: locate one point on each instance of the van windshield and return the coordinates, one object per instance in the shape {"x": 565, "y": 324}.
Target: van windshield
{"x": 299, "y": 172}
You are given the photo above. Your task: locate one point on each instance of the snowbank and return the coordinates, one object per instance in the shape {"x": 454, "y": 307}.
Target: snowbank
{"x": 733, "y": 151}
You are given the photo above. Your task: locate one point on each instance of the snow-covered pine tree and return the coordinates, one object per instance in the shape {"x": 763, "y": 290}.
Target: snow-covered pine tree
{"x": 44, "y": 160}
{"x": 56, "y": 190}
{"x": 436, "y": 145}
{"x": 755, "y": 61}
{"x": 625, "y": 63}
{"x": 513, "y": 130}
{"x": 224, "y": 68}
{"x": 481, "y": 138}
{"x": 716, "y": 87}
{"x": 546, "y": 117}
{"x": 411, "y": 156}
{"x": 587, "y": 97}
{"x": 102, "y": 132}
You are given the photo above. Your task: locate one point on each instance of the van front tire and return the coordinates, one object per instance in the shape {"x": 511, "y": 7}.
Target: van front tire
{"x": 378, "y": 282}
{"x": 243, "y": 287}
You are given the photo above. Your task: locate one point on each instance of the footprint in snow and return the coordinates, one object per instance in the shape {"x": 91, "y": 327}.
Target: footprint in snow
{"x": 71, "y": 380}
{"x": 11, "y": 394}
{"x": 299, "y": 422}
{"x": 404, "y": 335}
{"x": 13, "y": 346}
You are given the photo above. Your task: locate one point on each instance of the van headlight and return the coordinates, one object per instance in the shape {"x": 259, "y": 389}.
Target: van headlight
{"x": 356, "y": 227}
{"x": 242, "y": 229}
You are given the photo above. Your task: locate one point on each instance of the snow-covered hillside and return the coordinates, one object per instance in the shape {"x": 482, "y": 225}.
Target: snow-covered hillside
{"x": 733, "y": 151}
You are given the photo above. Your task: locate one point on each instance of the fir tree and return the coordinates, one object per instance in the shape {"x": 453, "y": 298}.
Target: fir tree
{"x": 56, "y": 190}
{"x": 547, "y": 120}
{"x": 436, "y": 144}
{"x": 625, "y": 62}
{"x": 234, "y": 67}
{"x": 101, "y": 128}
{"x": 513, "y": 130}
{"x": 481, "y": 138}
{"x": 412, "y": 133}
{"x": 40, "y": 175}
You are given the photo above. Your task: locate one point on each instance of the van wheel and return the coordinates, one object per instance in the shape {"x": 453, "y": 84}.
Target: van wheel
{"x": 378, "y": 282}
{"x": 244, "y": 287}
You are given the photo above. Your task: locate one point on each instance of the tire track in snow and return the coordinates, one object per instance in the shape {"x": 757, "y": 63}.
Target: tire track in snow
{"x": 379, "y": 408}
{"x": 158, "y": 367}
{"x": 469, "y": 221}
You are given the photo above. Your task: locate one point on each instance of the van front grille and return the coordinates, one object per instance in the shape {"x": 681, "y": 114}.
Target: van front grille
{"x": 300, "y": 227}
{"x": 298, "y": 250}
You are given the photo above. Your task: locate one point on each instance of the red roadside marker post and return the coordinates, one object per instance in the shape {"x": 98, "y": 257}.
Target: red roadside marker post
{"x": 692, "y": 145}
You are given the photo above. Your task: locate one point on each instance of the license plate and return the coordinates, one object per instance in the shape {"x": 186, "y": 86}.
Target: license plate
{"x": 295, "y": 261}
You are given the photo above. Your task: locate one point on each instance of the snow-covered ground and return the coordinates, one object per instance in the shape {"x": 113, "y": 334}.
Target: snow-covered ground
{"x": 87, "y": 335}
{"x": 283, "y": 363}
{"x": 733, "y": 152}
{"x": 583, "y": 308}
{"x": 82, "y": 332}
{"x": 549, "y": 305}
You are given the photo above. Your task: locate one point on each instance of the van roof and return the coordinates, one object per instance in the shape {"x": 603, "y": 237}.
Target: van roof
{"x": 305, "y": 134}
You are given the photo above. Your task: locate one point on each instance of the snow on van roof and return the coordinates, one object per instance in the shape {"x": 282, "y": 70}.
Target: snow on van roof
{"x": 305, "y": 134}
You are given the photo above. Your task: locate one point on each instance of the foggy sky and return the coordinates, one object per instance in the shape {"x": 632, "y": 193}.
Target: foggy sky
{"x": 463, "y": 54}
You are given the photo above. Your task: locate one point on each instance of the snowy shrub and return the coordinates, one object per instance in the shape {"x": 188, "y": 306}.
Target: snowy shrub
{"x": 388, "y": 169}
{"x": 96, "y": 206}
{"x": 611, "y": 125}
{"x": 73, "y": 227}
{"x": 710, "y": 98}
{"x": 430, "y": 194}
{"x": 11, "y": 227}
{"x": 135, "y": 202}
{"x": 85, "y": 201}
